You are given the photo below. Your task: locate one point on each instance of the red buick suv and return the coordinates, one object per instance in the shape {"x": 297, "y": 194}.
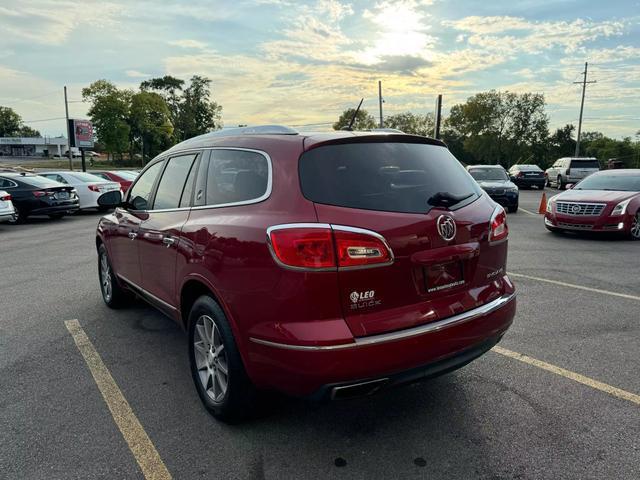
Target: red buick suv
{"x": 320, "y": 265}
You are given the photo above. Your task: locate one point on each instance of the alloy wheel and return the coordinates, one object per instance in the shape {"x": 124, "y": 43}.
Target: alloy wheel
{"x": 105, "y": 277}
{"x": 211, "y": 358}
{"x": 635, "y": 227}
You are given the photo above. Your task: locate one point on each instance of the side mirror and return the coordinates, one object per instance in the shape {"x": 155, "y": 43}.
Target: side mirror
{"x": 110, "y": 199}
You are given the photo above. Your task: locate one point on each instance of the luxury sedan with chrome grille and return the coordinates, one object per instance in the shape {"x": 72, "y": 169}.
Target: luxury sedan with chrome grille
{"x": 607, "y": 201}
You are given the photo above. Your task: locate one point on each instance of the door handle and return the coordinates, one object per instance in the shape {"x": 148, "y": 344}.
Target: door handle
{"x": 133, "y": 235}
{"x": 168, "y": 241}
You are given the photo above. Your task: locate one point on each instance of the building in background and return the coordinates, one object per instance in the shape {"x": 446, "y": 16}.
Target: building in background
{"x": 32, "y": 146}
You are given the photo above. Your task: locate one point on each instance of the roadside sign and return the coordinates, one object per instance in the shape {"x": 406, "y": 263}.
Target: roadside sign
{"x": 81, "y": 133}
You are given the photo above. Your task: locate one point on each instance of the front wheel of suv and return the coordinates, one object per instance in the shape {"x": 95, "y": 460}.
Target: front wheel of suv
{"x": 216, "y": 365}
{"x": 635, "y": 227}
{"x": 112, "y": 293}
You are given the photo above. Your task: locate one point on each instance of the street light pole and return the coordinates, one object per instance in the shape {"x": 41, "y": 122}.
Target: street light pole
{"x": 66, "y": 111}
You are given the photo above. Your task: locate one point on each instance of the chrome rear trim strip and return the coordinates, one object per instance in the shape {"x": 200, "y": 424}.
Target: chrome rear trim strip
{"x": 401, "y": 334}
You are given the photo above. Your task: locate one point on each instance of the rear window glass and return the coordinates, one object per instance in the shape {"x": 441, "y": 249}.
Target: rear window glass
{"x": 585, "y": 164}
{"x": 39, "y": 181}
{"x": 86, "y": 177}
{"x": 392, "y": 177}
{"x": 529, "y": 168}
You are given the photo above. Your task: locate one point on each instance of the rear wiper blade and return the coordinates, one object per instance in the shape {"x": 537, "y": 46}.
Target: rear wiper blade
{"x": 446, "y": 199}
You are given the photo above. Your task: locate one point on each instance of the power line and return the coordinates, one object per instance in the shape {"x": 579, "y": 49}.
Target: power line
{"x": 43, "y": 120}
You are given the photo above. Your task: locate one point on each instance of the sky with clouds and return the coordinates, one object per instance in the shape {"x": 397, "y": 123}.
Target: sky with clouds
{"x": 301, "y": 63}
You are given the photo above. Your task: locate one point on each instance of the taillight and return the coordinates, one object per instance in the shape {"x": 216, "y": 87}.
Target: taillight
{"x": 303, "y": 247}
{"x": 358, "y": 248}
{"x": 327, "y": 247}
{"x": 94, "y": 188}
{"x": 5, "y": 198}
{"x": 520, "y": 175}
{"x": 39, "y": 193}
{"x": 498, "y": 229}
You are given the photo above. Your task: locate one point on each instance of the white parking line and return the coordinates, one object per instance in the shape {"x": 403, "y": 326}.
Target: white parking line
{"x": 603, "y": 387}
{"x": 578, "y": 287}
{"x": 132, "y": 430}
{"x": 528, "y": 212}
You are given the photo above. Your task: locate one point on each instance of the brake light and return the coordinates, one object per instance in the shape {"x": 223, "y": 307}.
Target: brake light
{"x": 39, "y": 193}
{"x": 498, "y": 228}
{"x": 94, "y": 188}
{"x": 5, "y": 198}
{"x": 303, "y": 247}
{"x": 327, "y": 247}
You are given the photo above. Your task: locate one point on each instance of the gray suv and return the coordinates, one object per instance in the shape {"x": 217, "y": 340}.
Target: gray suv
{"x": 570, "y": 170}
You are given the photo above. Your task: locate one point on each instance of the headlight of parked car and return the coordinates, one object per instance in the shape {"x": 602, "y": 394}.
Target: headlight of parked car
{"x": 621, "y": 208}
{"x": 512, "y": 189}
{"x": 550, "y": 205}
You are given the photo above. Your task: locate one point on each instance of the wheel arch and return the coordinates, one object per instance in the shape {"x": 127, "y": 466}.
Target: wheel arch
{"x": 191, "y": 289}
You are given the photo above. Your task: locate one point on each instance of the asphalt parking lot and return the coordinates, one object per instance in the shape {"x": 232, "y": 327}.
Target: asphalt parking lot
{"x": 568, "y": 409}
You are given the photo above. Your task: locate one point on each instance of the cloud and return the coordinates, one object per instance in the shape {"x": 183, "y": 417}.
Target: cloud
{"x": 188, "y": 43}
{"x": 51, "y": 22}
{"x": 136, "y": 74}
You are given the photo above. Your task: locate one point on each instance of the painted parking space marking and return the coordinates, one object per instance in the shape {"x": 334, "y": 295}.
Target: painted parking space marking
{"x": 603, "y": 387}
{"x": 152, "y": 466}
{"x": 528, "y": 212}
{"x": 578, "y": 287}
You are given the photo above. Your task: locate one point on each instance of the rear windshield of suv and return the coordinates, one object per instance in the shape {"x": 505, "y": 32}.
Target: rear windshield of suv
{"x": 391, "y": 177}
{"x": 585, "y": 164}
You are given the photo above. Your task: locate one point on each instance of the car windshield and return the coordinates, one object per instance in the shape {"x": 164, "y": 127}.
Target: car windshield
{"x": 86, "y": 177}
{"x": 623, "y": 183}
{"x": 386, "y": 176}
{"x": 490, "y": 174}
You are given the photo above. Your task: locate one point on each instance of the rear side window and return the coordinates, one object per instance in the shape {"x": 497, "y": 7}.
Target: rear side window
{"x": 140, "y": 193}
{"x": 585, "y": 164}
{"x": 237, "y": 176}
{"x": 5, "y": 183}
{"x": 172, "y": 182}
{"x": 393, "y": 177}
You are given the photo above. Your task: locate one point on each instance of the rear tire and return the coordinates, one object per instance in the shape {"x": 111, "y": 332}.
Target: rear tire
{"x": 19, "y": 216}
{"x": 113, "y": 294}
{"x": 216, "y": 366}
{"x": 56, "y": 216}
{"x": 513, "y": 209}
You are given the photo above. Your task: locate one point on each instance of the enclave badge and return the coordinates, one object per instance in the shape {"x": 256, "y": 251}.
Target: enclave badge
{"x": 446, "y": 227}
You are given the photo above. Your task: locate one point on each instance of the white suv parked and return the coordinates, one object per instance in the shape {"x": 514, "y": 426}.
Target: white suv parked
{"x": 571, "y": 170}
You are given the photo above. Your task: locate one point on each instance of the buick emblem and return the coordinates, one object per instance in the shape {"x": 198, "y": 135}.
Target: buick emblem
{"x": 355, "y": 296}
{"x": 446, "y": 227}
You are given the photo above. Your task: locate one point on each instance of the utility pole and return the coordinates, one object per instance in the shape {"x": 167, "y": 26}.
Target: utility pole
{"x": 66, "y": 111}
{"x": 584, "y": 87}
{"x": 380, "y": 102}
{"x": 438, "y": 118}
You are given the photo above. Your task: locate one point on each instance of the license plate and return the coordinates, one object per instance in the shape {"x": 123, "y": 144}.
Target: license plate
{"x": 443, "y": 276}
{"x": 61, "y": 196}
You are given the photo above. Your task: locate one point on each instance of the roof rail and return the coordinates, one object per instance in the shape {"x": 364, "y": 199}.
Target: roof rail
{"x": 257, "y": 130}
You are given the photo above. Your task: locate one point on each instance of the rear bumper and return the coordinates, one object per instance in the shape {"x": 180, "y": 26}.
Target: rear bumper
{"x": 71, "y": 207}
{"x": 396, "y": 357}
{"x": 530, "y": 182}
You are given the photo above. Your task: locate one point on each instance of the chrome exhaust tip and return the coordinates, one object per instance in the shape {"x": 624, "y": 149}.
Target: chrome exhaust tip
{"x": 360, "y": 389}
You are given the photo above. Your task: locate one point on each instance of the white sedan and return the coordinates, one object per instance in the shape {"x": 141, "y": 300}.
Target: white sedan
{"x": 7, "y": 210}
{"x": 89, "y": 187}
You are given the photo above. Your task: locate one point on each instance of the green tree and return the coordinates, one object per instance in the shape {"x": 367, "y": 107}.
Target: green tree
{"x": 364, "y": 120}
{"x": 412, "y": 123}
{"x": 595, "y": 144}
{"x": 198, "y": 114}
{"x": 170, "y": 88}
{"x": 501, "y": 127}
{"x": 561, "y": 144}
{"x": 109, "y": 113}
{"x": 11, "y": 125}
{"x": 150, "y": 123}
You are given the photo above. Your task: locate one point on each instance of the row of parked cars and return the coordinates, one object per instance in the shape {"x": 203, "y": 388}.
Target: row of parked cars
{"x": 596, "y": 201}
{"x": 56, "y": 193}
